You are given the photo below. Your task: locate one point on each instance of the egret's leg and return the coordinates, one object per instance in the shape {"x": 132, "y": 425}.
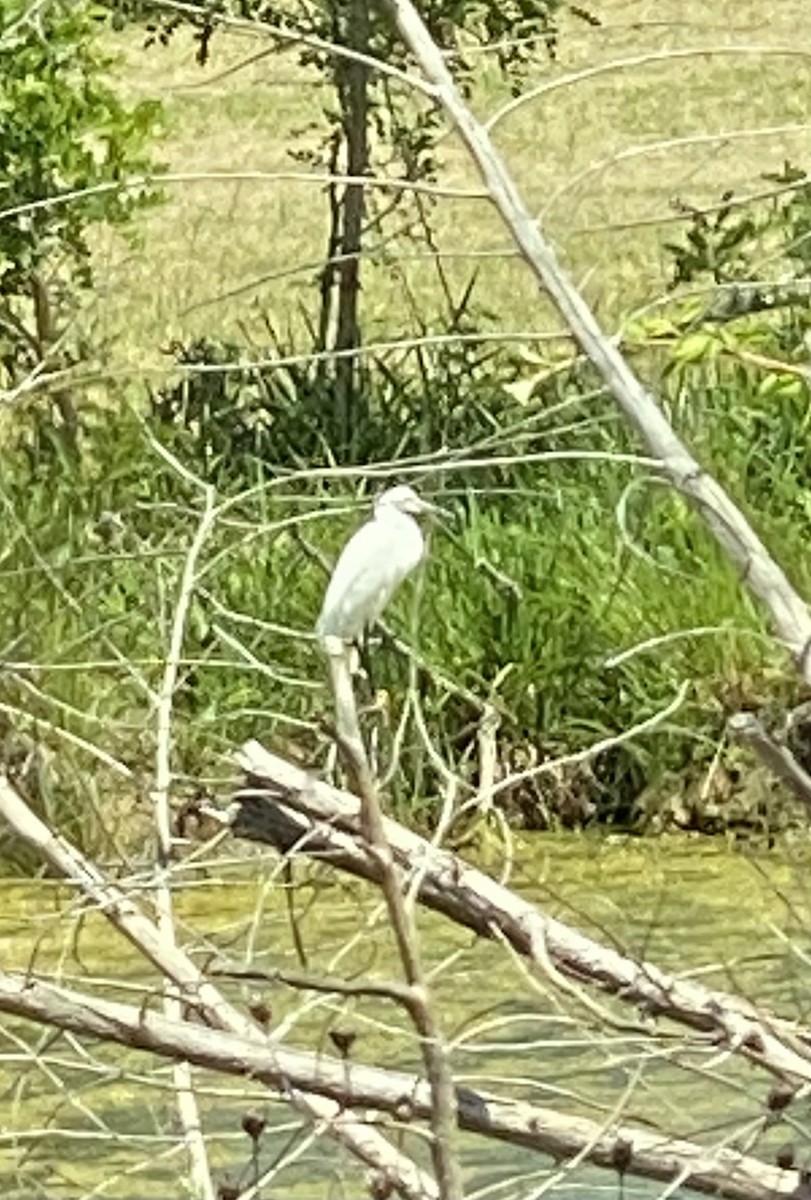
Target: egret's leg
{"x": 335, "y": 648}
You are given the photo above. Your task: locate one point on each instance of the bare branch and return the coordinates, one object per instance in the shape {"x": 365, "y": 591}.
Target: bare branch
{"x": 728, "y": 524}
{"x": 299, "y": 38}
{"x": 654, "y": 148}
{"x": 198, "y": 993}
{"x": 718, "y": 1171}
{"x": 295, "y": 810}
{"x": 141, "y": 183}
{"x": 443, "y": 1113}
{"x": 588, "y": 753}
{"x": 746, "y": 728}
{"x": 188, "y": 1110}
{"x": 624, "y": 64}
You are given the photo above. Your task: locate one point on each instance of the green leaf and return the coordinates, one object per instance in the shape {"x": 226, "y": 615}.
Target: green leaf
{"x": 696, "y": 347}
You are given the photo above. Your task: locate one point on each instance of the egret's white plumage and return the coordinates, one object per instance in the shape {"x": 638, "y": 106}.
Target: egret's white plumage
{"x": 373, "y": 564}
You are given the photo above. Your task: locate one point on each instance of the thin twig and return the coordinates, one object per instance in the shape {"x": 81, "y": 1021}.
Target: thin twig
{"x": 623, "y": 64}
{"x": 654, "y": 148}
{"x": 485, "y": 797}
{"x": 298, "y": 37}
{"x": 141, "y": 183}
{"x": 188, "y": 1109}
{"x": 328, "y": 984}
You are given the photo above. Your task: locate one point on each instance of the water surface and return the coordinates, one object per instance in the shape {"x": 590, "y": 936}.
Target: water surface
{"x": 90, "y": 1120}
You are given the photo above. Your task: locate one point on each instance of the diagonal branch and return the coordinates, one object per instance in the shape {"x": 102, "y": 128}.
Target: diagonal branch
{"x": 730, "y": 527}
{"x": 286, "y": 807}
{"x": 718, "y": 1171}
{"x": 367, "y": 1144}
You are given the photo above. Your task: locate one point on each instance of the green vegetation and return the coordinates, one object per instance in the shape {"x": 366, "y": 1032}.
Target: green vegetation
{"x": 558, "y": 559}
{"x": 64, "y": 132}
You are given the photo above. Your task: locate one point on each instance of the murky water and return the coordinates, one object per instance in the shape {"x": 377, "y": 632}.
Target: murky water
{"x": 92, "y": 1120}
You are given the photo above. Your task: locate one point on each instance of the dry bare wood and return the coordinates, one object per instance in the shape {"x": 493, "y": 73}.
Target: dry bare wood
{"x": 746, "y": 728}
{"x": 202, "y": 997}
{"x": 188, "y": 1110}
{"x": 718, "y": 1171}
{"x": 789, "y": 612}
{"x": 285, "y": 806}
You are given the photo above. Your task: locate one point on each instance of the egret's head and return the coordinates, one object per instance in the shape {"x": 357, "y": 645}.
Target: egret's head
{"x": 403, "y": 499}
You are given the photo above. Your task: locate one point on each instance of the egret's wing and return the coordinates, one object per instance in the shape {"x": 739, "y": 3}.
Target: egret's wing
{"x": 373, "y": 563}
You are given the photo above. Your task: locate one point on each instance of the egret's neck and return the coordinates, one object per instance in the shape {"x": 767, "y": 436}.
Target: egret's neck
{"x": 404, "y": 533}
{"x": 389, "y": 516}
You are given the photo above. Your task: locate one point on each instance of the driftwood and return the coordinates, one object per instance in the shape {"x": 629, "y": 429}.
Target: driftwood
{"x": 286, "y": 807}
{"x": 202, "y": 997}
{"x": 349, "y": 1085}
{"x": 323, "y": 1088}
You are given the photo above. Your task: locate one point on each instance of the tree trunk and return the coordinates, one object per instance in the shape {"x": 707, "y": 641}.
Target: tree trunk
{"x": 353, "y": 89}
{"x": 46, "y": 338}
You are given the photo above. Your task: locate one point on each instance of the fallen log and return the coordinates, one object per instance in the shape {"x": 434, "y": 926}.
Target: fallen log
{"x": 407, "y": 1180}
{"x": 354, "y": 1087}
{"x": 286, "y": 807}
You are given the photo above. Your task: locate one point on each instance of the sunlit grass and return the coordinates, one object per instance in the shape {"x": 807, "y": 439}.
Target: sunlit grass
{"x": 588, "y": 155}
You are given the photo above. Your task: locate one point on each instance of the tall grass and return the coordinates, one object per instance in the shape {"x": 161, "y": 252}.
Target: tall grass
{"x": 547, "y": 572}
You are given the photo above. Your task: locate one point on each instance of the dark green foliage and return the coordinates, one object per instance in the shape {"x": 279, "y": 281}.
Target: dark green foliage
{"x": 727, "y": 246}
{"x": 528, "y": 592}
{"x": 238, "y": 422}
{"x": 724, "y": 242}
{"x": 546, "y": 572}
{"x": 750, "y": 318}
{"x": 549, "y": 569}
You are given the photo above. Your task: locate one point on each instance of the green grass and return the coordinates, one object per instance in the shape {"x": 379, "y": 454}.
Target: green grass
{"x": 537, "y": 585}
{"x": 213, "y": 238}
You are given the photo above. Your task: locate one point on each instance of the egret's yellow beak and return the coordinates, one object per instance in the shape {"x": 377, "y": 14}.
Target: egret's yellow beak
{"x": 427, "y": 507}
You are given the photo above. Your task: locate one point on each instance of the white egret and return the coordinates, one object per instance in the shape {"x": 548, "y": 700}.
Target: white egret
{"x": 372, "y": 565}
